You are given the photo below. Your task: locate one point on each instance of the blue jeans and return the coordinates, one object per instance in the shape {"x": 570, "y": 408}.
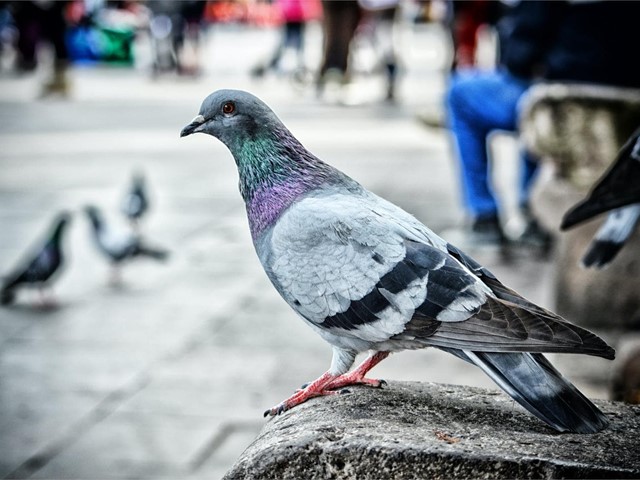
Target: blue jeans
{"x": 477, "y": 104}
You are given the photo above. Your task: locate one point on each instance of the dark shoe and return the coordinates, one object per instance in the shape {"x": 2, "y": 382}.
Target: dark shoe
{"x": 487, "y": 230}
{"x": 535, "y": 236}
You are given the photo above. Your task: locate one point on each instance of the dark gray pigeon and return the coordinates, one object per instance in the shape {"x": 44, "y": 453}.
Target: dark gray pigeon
{"x": 367, "y": 276}
{"x": 119, "y": 245}
{"x": 39, "y": 268}
{"x": 136, "y": 203}
{"x": 616, "y": 192}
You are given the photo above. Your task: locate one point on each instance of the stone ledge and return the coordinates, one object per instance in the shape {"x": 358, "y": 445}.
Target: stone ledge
{"x": 426, "y": 430}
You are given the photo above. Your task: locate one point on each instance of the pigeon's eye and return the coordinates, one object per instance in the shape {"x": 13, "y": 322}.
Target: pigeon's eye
{"x": 228, "y": 108}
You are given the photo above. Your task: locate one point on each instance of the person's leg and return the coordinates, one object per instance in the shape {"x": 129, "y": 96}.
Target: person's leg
{"x": 27, "y": 18}
{"x": 479, "y": 103}
{"x": 533, "y": 235}
{"x": 54, "y": 29}
{"x": 340, "y": 23}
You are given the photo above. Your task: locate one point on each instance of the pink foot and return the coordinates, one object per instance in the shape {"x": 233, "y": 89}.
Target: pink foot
{"x": 314, "y": 389}
{"x": 357, "y": 376}
{"x": 328, "y": 384}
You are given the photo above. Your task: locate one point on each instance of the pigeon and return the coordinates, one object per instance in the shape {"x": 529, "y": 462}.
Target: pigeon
{"x": 616, "y": 192}
{"x": 40, "y": 267}
{"x": 368, "y": 276}
{"x": 119, "y": 246}
{"x": 135, "y": 204}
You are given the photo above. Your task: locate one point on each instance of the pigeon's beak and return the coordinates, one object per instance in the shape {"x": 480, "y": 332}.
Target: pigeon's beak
{"x": 193, "y": 127}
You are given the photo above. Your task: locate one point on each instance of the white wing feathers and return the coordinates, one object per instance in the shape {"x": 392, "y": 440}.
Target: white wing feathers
{"x": 349, "y": 269}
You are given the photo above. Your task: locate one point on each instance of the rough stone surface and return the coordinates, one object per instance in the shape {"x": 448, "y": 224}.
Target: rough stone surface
{"x": 580, "y": 128}
{"x": 428, "y": 430}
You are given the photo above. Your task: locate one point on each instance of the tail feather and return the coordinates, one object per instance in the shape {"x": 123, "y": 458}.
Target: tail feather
{"x": 7, "y": 296}
{"x": 600, "y": 254}
{"x": 152, "y": 252}
{"x": 611, "y": 236}
{"x": 536, "y": 385}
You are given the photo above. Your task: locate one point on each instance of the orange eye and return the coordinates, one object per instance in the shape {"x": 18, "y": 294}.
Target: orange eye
{"x": 228, "y": 108}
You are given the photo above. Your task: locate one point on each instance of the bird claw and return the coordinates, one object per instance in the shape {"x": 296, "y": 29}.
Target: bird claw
{"x": 277, "y": 410}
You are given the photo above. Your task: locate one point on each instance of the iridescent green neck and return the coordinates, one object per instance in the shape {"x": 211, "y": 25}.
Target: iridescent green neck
{"x": 275, "y": 171}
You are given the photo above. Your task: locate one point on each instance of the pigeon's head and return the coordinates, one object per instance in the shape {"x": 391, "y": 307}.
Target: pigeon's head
{"x": 62, "y": 218}
{"x": 233, "y": 116}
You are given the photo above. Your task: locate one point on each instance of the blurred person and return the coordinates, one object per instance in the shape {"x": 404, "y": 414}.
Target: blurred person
{"x": 175, "y": 27}
{"x": 382, "y": 14}
{"x": 192, "y": 12}
{"x": 7, "y": 28}
{"x": 555, "y": 41}
{"x": 463, "y": 21}
{"x": 37, "y": 21}
{"x": 295, "y": 15}
{"x": 340, "y": 20}
{"x": 466, "y": 20}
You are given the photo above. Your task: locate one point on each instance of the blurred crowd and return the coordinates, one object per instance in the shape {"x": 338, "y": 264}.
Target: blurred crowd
{"x": 534, "y": 42}
{"x": 105, "y": 31}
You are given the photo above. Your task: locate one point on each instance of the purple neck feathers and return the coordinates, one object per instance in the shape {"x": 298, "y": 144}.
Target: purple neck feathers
{"x": 269, "y": 201}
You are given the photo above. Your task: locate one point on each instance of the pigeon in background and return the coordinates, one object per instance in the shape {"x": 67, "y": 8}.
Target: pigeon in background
{"x": 119, "y": 245}
{"x": 39, "y": 268}
{"x": 135, "y": 203}
{"x": 367, "y": 276}
{"x": 611, "y": 236}
{"x": 617, "y": 192}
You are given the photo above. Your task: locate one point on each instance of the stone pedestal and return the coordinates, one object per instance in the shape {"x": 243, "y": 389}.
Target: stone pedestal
{"x": 413, "y": 430}
{"x": 577, "y": 131}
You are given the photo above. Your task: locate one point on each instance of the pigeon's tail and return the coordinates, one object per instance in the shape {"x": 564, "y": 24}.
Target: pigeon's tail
{"x": 152, "y": 252}
{"x": 536, "y": 385}
{"x": 600, "y": 254}
{"x": 611, "y": 236}
{"x": 7, "y": 296}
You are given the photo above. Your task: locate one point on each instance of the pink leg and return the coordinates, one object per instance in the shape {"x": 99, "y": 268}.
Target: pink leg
{"x": 357, "y": 376}
{"x": 328, "y": 384}
{"x": 314, "y": 389}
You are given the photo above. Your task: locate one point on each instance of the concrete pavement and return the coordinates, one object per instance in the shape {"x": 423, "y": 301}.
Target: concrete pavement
{"x": 168, "y": 375}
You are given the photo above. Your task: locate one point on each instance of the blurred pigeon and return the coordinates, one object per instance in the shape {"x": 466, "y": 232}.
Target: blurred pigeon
{"x": 611, "y": 236}
{"x": 366, "y": 275}
{"x": 135, "y": 204}
{"x": 38, "y": 271}
{"x": 119, "y": 245}
{"x": 617, "y": 192}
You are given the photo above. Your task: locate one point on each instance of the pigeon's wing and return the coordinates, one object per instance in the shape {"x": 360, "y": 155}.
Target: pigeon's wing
{"x": 37, "y": 268}
{"x": 510, "y": 322}
{"x": 619, "y": 186}
{"x": 116, "y": 243}
{"x": 360, "y": 268}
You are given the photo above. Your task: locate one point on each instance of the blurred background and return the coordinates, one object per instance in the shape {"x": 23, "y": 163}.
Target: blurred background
{"x": 162, "y": 366}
